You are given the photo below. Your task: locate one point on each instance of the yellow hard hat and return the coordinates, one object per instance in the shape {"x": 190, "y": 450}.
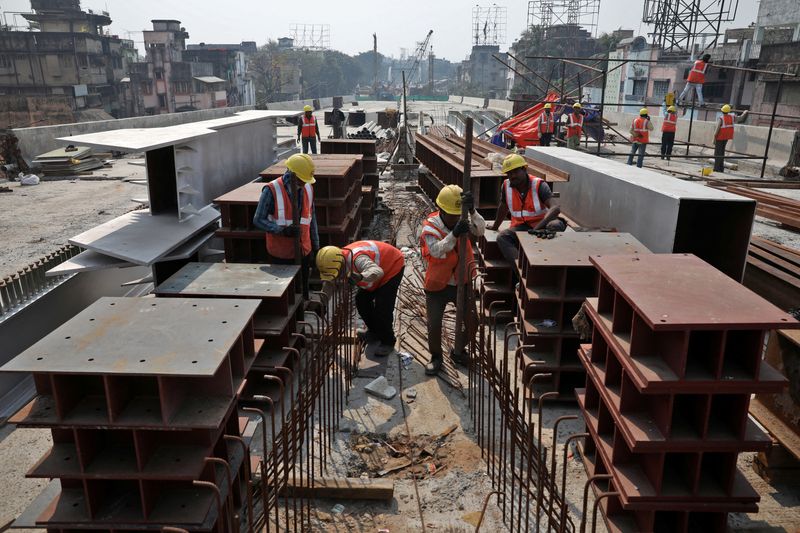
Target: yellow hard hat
{"x": 671, "y": 109}
{"x": 548, "y": 106}
{"x": 303, "y": 167}
{"x": 308, "y": 108}
{"x": 449, "y": 199}
{"x": 512, "y": 162}
{"x": 329, "y": 262}
{"x": 643, "y": 111}
{"x": 726, "y": 108}
{"x": 576, "y": 105}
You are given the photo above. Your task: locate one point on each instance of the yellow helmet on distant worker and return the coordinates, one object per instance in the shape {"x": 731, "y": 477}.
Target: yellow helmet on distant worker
{"x": 308, "y": 108}
{"x": 449, "y": 199}
{"x": 671, "y": 109}
{"x": 548, "y": 106}
{"x": 303, "y": 167}
{"x": 576, "y": 105}
{"x": 330, "y": 261}
{"x": 726, "y": 108}
{"x": 643, "y": 111}
{"x": 513, "y": 162}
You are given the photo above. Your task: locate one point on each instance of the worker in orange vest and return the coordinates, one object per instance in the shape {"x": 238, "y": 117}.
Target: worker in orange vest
{"x": 668, "y": 129}
{"x": 275, "y": 215}
{"x": 724, "y": 133}
{"x": 575, "y": 126}
{"x": 438, "y": 243}
{"x": 376, "y": 268}
{"x": 546, "y": 125}
{"x": 640, "y": 135}
{"x": 530, "y": 202}
{"x": 308, "y": 130}
{"x": 696, "y": 79}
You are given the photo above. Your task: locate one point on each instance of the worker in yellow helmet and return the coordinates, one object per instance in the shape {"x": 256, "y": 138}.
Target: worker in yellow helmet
{"x": 308, "y": 130}
{"x": 546, "y": 125}
{"x": 723, "y": 133}
{"x": 640, "y": 136}
{"x": 275, "y": 215}
{"x": 438, "y": 243}
{"x": 376, "y": 268}
{"x": 575, "y": 126}
{"x": 530, "y": 202}
{"x": 668, "y": 129}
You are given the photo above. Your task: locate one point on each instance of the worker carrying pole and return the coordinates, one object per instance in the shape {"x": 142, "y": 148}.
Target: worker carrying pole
{"x": 440, "y": 233}
{"x": 575, "y": 126}
{"x": 276, "y": 211}
{"x": 696, "y": 79}
{"x": 546, "y": 125}
{"x": 308, "y": 130}
{"x": 530, "y": 202}
{"x": 723, "y": 133}
{"x": 640, "y": 135}
{"x": 668, "y": 129}
{"x": 376, "y": 268}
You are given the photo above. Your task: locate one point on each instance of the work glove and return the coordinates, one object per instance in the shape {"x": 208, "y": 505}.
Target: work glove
{"x": 355, "y": 278}
{"x": 290, "y": 231}
{"x": 462, "y": 228}
{"x": 468, "y": 200}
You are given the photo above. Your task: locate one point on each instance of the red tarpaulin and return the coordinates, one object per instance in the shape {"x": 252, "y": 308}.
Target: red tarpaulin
{"x": 524, "y": 127}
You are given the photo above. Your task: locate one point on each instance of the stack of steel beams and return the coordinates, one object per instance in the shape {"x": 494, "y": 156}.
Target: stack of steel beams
{"x": 274, "y": 288}
{"x": 674, "y": 359}
{"x": 140, "y": 396}
{"x": 557, "y": 277}
{"x": 497, "y": 286}
{"x": 370, "y": 180}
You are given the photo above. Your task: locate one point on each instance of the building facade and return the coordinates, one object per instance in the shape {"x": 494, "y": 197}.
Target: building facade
{"x": 230, "y": 62}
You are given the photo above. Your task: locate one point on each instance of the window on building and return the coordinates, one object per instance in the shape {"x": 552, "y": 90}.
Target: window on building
{"x": 159, "y": 74}
{"x": 65, "y": 61}
{"x": 5, "y": 61}
{"x": 790, "y": 92}
{"x": 146, "y": 87}
{"x": 182, "y": 87}
{"x": 162, "y": 101}
{"x": 639, "y": 87}
{"x": 660, "y": 89}
{"x": 83, "y": 61}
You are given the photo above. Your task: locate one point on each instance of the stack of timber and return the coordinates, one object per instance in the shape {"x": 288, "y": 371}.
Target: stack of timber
{"x": 68, "y": 161}
{"x": 773, "y": 272}
{"x": 777, "y": 208}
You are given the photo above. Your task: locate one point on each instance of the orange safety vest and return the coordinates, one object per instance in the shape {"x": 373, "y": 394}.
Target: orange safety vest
{"x": 698, "y": 72}
{"x": 386, "y": 256}
{"x": 575, "y": 126}
{"x": 441, "y": 271}
{"x": 278, "y": 245}
{"x": 309, "y": 127}
{"x": 726, "y": 128}
{"x": 670, "y": 123}
{"x": 640, "y": 132}
{"x": 529, "y": 210}
{"x": 546, "y": 124}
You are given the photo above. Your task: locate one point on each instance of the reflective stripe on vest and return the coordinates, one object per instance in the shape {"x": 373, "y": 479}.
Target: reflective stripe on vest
{"x": 546, "y": 120}
{"x": 575, "y": 125}
{"x": 391, "y": 263}
{"x": 670, "y": 122}
{"x": 372, "y": 251}
{"x": 698, "y": 72}
{"x": 640, "y": 132}
{"x": 725, "y": 128}
{"x": 309, "y": 127}
{"x": 535, "y": 209}
{"x": 282, "y": 200}
{"x": 439, "y": 272}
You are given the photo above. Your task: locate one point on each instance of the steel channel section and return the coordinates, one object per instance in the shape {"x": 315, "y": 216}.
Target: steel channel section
{"x": 668, "y": 389}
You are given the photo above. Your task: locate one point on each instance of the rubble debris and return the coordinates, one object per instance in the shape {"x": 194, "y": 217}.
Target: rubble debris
{"x": 380, "y": 387}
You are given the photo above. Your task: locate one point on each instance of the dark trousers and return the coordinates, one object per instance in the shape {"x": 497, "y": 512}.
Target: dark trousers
{"x": 376, "y": 309}
{"x": 719, "y": 155}
{"x": 637, "y": 147}
{"x": 435, "y": 304}
{"x": 305, "y": 269}
{"x": 508, "y": 242}
{"x": 309, "y": 143}
{"x": 545, "y": 139}
{"x": 667, "y": 142}
{"x": 338, "y": 132}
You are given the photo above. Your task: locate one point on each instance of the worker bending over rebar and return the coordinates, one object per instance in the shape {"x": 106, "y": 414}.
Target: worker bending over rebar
{"x": 438, "y": 242}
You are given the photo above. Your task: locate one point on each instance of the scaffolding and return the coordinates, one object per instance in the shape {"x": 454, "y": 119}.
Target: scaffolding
{"x": 678, "y": 25}
{"x": 489, "y": 25}
{"x": 311, "y": 36}
{"x": 545, "y": 14}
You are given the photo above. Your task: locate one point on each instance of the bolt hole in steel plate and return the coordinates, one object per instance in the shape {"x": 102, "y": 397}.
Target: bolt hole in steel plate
{"x": 133, "y": 337}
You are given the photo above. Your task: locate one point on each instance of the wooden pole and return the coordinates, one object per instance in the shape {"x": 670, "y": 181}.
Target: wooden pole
{"x": 298, "y": 202}
{"x": 463, "y": 241}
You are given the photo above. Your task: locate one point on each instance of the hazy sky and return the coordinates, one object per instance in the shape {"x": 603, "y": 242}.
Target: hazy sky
{"x": 397, "y": 23}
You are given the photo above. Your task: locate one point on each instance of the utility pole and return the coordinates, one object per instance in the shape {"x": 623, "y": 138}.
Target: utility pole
{"x": 430, "y": 72}
{"x": 375, "y": 64}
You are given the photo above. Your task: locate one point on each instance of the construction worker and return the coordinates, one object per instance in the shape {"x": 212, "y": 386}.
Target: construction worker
{"x": 575, "y": 126}
{"x": 337, "y": 122}
{"x": 376, "y": 268}
{"x": 546, "y": 125}
{"x": 438, "y": 242}
{"x": 668, "y": 129}
{"x": 275, "y": 213}
{"x": 640, "y": 136}
{"x": 308, "y": 130}
{"x": 696, "y": 79}
{"x": 724, "y": 133}
{"x": 530, "y": 202}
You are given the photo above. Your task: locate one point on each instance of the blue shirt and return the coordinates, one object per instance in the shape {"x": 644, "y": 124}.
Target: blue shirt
{"x": 266, "y": 206}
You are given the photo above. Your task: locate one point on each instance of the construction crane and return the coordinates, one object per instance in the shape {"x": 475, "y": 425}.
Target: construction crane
{"x": 412, "y": 65}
